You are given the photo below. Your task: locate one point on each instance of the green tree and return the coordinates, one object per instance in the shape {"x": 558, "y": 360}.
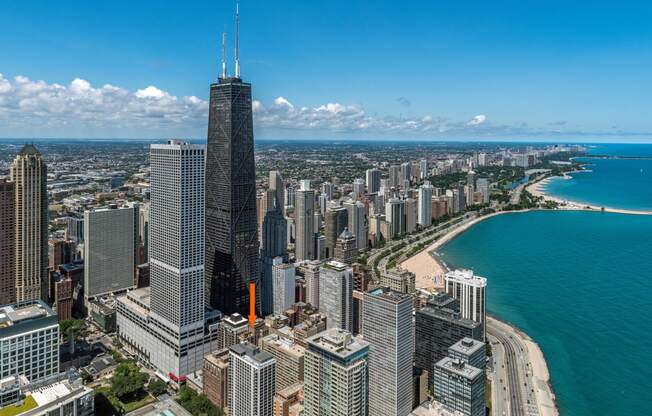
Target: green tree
{"x": 156, "y": 387}
{"x": 127, "y": 379}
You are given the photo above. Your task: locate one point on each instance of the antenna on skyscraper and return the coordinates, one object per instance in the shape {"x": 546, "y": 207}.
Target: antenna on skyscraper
{"x": 224, "y": 53}
{"x": 237, "y": 38}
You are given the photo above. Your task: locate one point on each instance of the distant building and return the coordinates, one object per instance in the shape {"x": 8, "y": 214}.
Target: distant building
{"x": 110, "y": 250}
{"x": 29, "y": 175}
{"x": 7, "y": 243}
{"x": 336, "y": 375}
{"x": 215, "y": 374}
{"x": 470, "y": 290}
{"x": 459, "y": 387}
{"x": 410, "y": 215}
{"x": 394, "y": 176}
{"x": 335, "y": 220}
{"x": 274, "y": 244}
{"x": 482, "y": 185}
{"x": 304, "y": 213}
{"x": 251, "y": 381}
{"x": 387, "y": 327}
{"x": 356, "y": 222}
{"x": 336, "y": 295}
{"x": 311, "y": 275}
{"x": 425, "y": 204}
{"x": 373, "y": 180}
{"x": 395, "y": 216}
{"x": 29, "y": 341}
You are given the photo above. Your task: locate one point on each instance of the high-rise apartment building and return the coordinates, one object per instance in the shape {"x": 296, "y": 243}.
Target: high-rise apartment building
{"x": 29, "y": 341}
{"x": 29, "y": 175}
{"x": 251, "y": 381}
{"x": 482, "y": 185}
{"x": 304, "y": 214}
{"x": 284, "y": 281}
{"x": 336, "y": 379}
{"x": 167, "y": 322}
{"x": 7, "y": 242}
{"x": 373, "y": 180}
{"x": 459, "y": 387}
{"x": 215, "y": 377}
{"x": 406, "y": 171}
{"x": 289, "y": 360}
{"x": 274, "y": 245}
{"x": 232, "y": 330}
{"x": 423, "y": 168}
{"x": 425, "y": 204}
{"x": 110, "y": 252}
{"x": 471, "y": 351}
{"x": 395, "y": 216}
{"x": 387, "y": 327}
{"x": 356, "y": 222}
{"x": 231, "y": 227}
{"x": 335, "y": 220}
{"x": 470, "y": 291}
{"x": 358, "y": 188}
{"x": 311, "y": 274}
{"x": 411, "y": 215}
{"x": 336, "y": 295}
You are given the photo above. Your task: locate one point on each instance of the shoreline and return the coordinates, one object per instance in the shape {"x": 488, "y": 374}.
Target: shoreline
{"x": 536, "y": 189}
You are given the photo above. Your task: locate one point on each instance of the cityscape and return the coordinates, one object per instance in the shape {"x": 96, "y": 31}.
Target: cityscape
{"x": 245, "y": 276}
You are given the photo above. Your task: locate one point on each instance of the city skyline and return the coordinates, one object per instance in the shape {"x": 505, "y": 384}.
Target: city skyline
{"x": 500, "y": 78}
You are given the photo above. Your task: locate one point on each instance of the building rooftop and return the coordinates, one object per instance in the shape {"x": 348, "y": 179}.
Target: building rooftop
{"x": 466, "y": 276}
{"x": 388, "y": 294}
{"x": 338, "y": 342}
{"x": 29, "y": 149}
{"x": 236, "y": 320}
{"x": 255, "y": 354}
{"x": 467, "y": 346}
{"x": 285, "y": 344}
{"x": 24, "y": 316}
{"x": 335, "y": 265}
{"x": 459, "y": 367}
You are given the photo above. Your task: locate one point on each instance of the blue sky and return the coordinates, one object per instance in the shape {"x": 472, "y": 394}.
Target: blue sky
{"x": 418, "y": 69}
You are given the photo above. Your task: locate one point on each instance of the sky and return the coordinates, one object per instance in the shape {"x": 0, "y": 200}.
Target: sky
{"x": 474, "y": 70}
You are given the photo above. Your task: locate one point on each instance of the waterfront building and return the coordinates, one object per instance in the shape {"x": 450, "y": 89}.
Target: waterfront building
{"x": 425, "y": 204}
{"x": 215, "y": 375}
{"x": 251, "y": 381}
{"x": 232, "y": 245}
{"x": 395, "y": 217}
{"x": 7, "y": 242}
{"x": 410, "y": 215}
{"x": 284, "y": 279}
{"x": 336, "y": 375}
{"x": 304, "y": 214}
{"x": 29, "y": 175}
{"x": 110, "y": 252}
{"x": 483, "y": 187}
{"x": 470, "y": 290}
{"x": 167, "y": 323}
{"x": 459, "y": 387}
{"x": 335, "y": 220}
{"x": 29, "y": 341}
{"x": 336, "y": 294}
{"x": 356, "y": 222}
{"x": 471, "y": 351}
{"x": 346, "y": 249}
{"x": 387, "y": 327}
{"x": 373, "y": 180}
{"x": 399, "y": 280}
{"x": 289, "y": 360}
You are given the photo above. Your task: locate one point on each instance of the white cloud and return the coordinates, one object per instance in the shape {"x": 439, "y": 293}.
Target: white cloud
{"x": 477, "y": 120}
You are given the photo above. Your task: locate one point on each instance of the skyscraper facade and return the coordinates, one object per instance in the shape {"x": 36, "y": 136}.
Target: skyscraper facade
{"x": 251, "y": 381}
{"x": 336, "y": 379}
{"x": 304, "y": 213}
{"x": 387, "y": 327}
{"x": 357, "y": 224}
{"x": 425, "y": 204}
{"x": 29, "y": 174}
{"x": 274, "y": 245}
{"x": 336, "y": 295}
{"x": 7, "y": 243}
{"x": 284, "y": 278}
{"x": 277, "y": 184}
{"x": 459, "y": 387}
{"x": 373, "y": 180}
{"x": 470, "y": 291}
{"x": 335, "y": 220}
{"x": 231, "y": 228}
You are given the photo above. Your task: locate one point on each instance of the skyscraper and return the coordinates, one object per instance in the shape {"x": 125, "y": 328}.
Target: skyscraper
{"x": 459, "y": 387}
{"x": 7, "y": 243}
{"x": 336, "y": 295}
{"x": 284, "y": 278}
{"x": 311, "y": 274}
{"x": 470, "y": 291}
{"x": 305, "y": 212}
{"x": 110, "y": 250}
{"x": 373, "y": 180}
{"x": 336, "y": 379}
{"x": 231, "y": 230}
{"x": 395, "y": 216}
{"x": 346, "y": 248}
{"x": 167, "y": 322}
{"x": 274, "y": 245}
{"x": 251, "y": 381}
{"x": 357, "y": 224}
{"x": 358, "y": 188}
{"x": 387, "y": 327}
{"x": 425, "y": 204}
{"x": 406, "y": 171}
{"x": 394, "y": 175}
{"x": 277, "y": 184}
{"x": 335, "y": 220}
{"x": 29, "y": 174}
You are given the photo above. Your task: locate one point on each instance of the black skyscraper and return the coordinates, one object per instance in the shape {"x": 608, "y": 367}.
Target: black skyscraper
{"x": 231, "y": 229}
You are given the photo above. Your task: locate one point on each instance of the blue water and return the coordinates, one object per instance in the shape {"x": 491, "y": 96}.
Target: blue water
{"x": 580, "y": 284}
{"x": 613, "y": 183}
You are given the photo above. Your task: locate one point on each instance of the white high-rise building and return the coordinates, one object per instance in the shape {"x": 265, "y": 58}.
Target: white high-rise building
{"x": 283, "y": 284}
{"x": 425, "y": 204}
{"x": 311, "y": 274}
{"x": 358, "y": 188}
{"x": 373, "y": 180}
{"x": 110, "y": 241}
{"x": 167, "y": 321}
{"x": 470, "y": 290}
{"x": 304, "y": 214}
{"x": 336, "y": 295}
{"x": 483, "y": 187}
{"x": 252, "y": 378}
{"x": 423, "y": 168}
{"x": 387, "y": 327}
{"x": 357, "y": 224}
{"x": 336, "y": 379}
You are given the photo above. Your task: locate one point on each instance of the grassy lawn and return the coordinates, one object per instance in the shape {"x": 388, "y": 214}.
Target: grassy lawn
{"x": 12, "y": 410}
{"x": 107, "y": 403}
